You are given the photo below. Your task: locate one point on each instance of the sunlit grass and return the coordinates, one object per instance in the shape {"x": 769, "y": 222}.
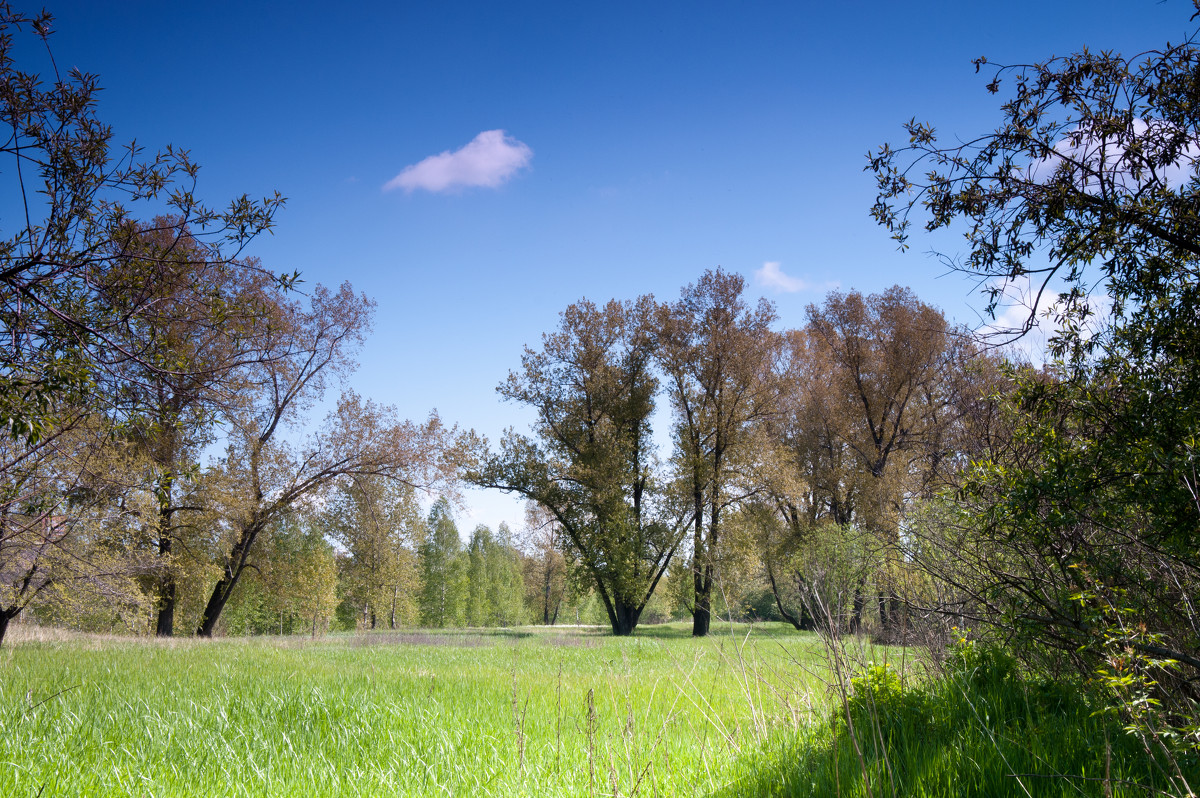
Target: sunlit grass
{"x": 565, "y": 711}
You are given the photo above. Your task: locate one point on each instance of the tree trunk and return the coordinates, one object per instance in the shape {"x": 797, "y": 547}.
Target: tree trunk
{"x": 224, "y": 588}
{"x": 392, "y": 615}
{"x": 702, "y": 611}
{"x": 857, "y": 609}
{"x": 700, "y": 597}
{"x": 624, "y": 618}
{"x": 164, "y": 626}
{"x": 802, "y": 624}
{"x": 216, "y": 603}
{"x": 5, "y": 617}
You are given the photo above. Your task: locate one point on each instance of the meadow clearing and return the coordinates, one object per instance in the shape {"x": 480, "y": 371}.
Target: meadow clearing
{"x": 545, "y": 711}
{"x": 753, "y": 710}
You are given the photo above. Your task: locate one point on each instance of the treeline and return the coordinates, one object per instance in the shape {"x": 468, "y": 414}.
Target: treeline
{"x": 797, "y": 460}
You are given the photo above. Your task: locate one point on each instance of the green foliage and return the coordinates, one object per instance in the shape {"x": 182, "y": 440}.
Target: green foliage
{"x": 293, "y": 589}
{"x": 1082, "y": 529}
{"x": 495, "y": 587}
{"x": 443, "y": 567}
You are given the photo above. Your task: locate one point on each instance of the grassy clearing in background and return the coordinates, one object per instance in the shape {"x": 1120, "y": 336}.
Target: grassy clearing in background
{"x": 557, "y": 711}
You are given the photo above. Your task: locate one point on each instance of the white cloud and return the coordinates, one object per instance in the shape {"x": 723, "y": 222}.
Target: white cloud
{"x": 773, "y": 277}
{"x": 489, "y": 160}
{"x": 1026, "y": 320}
{"x": 1143, "y": 155}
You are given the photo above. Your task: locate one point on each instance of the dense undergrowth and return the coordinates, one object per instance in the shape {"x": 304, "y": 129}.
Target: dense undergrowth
{"x": 980, "y": 728}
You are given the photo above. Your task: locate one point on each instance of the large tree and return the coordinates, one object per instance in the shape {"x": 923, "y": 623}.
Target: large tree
{"x": 79, "y": 286}
{"x": 866, "y": 419}
{"x": 194, "y": 333}
{"x": 718, "y": 355}
{"x": 592, "y": 463}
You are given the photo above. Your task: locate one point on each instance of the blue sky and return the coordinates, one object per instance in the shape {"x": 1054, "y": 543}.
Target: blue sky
{"x": 643, "y": 143}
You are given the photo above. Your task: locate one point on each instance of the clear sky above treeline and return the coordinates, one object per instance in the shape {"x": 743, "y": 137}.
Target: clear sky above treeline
{"x": 476, "y": 167}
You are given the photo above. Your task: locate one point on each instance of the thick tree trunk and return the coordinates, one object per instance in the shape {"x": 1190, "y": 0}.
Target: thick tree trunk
{"x": 5, "y": 617}
{"x": 212, "y": 610}
{"x": 624, "y": 618}
{"x": 164, "y": 626}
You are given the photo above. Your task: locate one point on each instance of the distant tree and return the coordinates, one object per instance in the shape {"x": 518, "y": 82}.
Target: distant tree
{"x": 505, "y": 582}
{"x": 302, "y": 573}
{"x": 378, "y": 523}
{"x": 495, "y": 586}
{"x": 479, "y": 550}
{"x": 306, "y": 347}
{"x": 544, "y": 567}
{"x": 443, "y": 567}
{"x": 718, "y": 356}
{"x": 592, "y": 464}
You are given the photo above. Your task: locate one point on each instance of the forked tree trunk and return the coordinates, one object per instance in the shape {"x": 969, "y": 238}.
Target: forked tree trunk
{"x": 234, "y": 566}
{"x": 803, "y": 623}
{"x": 624, "y": 618}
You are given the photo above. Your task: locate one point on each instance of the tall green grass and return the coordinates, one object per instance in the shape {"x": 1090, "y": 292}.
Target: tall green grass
{"x": 979, "y": 729}
{"x": 561, "y": 712}
{"x": 748, "y": 712}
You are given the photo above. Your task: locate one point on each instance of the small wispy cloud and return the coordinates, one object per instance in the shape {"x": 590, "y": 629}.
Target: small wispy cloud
{"x": 489, "y": 160}
{"x": 773, "y": 277}
{"x": 1026, "y": 318}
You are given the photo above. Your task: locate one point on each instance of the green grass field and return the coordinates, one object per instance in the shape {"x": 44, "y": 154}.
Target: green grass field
{"x": 547, "y": 712}
{"x": 563, "y": 711}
